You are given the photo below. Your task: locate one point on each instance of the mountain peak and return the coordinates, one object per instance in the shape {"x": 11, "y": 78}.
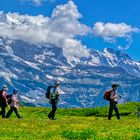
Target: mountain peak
{"x": 117, "y": 53}
{"x": 111, "y": 50}
{"x": 108, "y": 49}
{"x": 5, "y": 18}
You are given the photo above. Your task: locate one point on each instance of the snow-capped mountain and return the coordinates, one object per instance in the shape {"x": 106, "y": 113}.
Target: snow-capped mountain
{"x": 31, "y": 67}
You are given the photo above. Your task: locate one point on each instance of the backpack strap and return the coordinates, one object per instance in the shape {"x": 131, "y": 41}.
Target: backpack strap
{"x": 53, "y": 88}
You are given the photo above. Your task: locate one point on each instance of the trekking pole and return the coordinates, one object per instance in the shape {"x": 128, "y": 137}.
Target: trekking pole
{"x": 7, "y": 105}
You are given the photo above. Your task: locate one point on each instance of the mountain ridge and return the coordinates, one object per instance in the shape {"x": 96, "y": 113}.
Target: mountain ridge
{"x": 31, "y": 67}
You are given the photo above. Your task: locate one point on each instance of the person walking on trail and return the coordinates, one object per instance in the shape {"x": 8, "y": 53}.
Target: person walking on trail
{"x": 53, "y": 99}
{"x": 3, "y": 100}
{"x": 14, "y": 104}
{"x": 113, "y": 102}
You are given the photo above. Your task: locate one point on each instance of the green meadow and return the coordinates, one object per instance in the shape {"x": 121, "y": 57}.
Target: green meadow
{"x": 80, "y": 124}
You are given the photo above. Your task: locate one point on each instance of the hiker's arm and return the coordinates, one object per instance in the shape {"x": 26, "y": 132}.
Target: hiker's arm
{"x": 51, "y": 92}
{"x": 50, "y": 95}
{"x": 114, "y": 97}
{"x": 57, "y": 101}
{"x": 5, "y": 99}
{"x": 119, "y": 95}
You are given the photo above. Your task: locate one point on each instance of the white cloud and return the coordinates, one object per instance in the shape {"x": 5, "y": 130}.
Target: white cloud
{"x": 65, "y": 18}
{"x": 60, "y": 29}
{"x": 110, "y": 32}
{"x": 38, "y": 2}
{"x": 71, "y": 45}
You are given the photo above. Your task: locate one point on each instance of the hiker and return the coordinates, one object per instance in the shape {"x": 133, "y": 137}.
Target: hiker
{"x": 53, "y": 99}
{"x": 113, "y": 102}
{"x": 14, "y": 104}
{"x": 3, "y": 101}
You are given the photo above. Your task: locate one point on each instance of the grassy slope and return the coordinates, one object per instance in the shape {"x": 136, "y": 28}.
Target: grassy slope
{"x": 72, "y": 124}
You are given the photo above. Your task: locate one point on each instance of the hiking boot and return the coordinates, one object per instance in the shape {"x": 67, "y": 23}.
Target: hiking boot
{"x": 54, "y": 119}
{"x": 49, "y": 117}
{"x": 20, "y": 117}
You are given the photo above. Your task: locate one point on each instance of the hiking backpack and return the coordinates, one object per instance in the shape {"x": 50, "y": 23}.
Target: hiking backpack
{"x": 47, "y": 94}
{"x": 9, "y": 98}
{"x": 107, "y": 95}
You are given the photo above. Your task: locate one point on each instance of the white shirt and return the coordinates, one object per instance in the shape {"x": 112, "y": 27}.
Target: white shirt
{"x": 114, "y": 96}
{"x": 54, "y": 92}
{"x": 15, "y": 102}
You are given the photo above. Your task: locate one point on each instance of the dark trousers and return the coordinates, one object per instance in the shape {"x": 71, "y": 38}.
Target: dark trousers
{"x": 11, "y": 110}
{"x": 113, "y": 106}
{"x": 3, "y": 112}
{"x": 54, "y": 108}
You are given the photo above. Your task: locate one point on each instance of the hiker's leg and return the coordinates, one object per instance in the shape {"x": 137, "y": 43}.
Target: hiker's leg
{"x": 116, "y": 111}
{"x": 3, "y": 111}
{"x": 50, "y": 114}
{"x": 9, "y": 112}
{"x": 54, "y": 108}
{"x": 16, "y": 112}
{"x": 110, "y": 110}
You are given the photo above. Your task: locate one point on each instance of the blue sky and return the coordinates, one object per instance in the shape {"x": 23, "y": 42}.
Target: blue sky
{"x": 92, "y": 11}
